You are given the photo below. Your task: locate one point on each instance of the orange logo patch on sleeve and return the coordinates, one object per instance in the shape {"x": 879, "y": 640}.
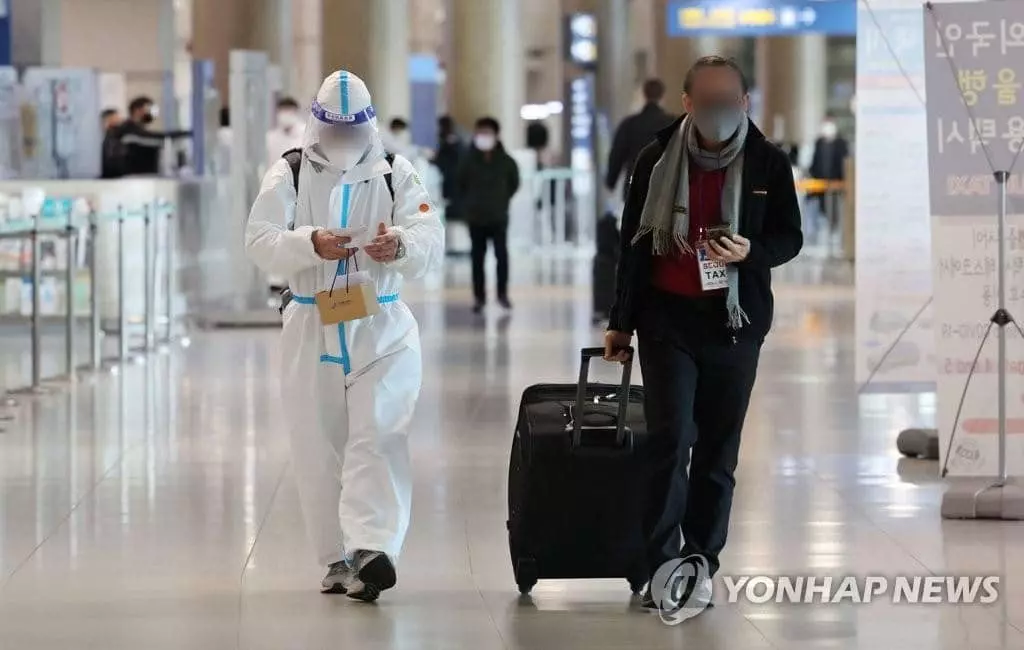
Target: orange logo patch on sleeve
{"x": 424, "y": 207}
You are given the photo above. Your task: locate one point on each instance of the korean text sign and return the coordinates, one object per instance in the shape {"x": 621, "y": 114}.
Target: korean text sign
{"x": 974, "y": 58}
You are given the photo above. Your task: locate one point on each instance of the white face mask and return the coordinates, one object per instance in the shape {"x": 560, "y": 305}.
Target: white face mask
{"x": 287, "y": 119}
{"x": 484, "y": 142}
{"x": 402, "y": 137}
{"x": 829, "y": 130}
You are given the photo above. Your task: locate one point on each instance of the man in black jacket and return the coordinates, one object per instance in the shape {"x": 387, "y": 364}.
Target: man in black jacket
{"x": 711, "y": 208}
{"x": 141, "y": 148}
{"x": 636, "y": 132}
{"x": 488, "y": 178}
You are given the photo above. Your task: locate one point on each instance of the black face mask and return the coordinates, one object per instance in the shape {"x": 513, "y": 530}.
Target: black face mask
{"x": 147, "y": 118}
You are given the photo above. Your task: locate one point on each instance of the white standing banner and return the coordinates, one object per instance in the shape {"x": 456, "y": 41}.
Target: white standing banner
{"x": 974, "y": 67}
{"x": 893, "y": 273}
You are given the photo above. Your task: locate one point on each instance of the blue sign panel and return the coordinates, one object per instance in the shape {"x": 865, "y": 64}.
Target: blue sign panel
{"x": 425, "y": 89}
{"x": 5, "y": 33}
{"x": 761, "y": 17}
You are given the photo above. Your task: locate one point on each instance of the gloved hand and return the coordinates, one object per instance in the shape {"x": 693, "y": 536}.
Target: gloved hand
{"x": 384, "y": 247}
{"x": 331, "y": 247}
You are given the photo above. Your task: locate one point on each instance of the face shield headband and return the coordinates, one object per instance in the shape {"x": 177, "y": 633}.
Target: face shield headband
{"x": 337, "y": 119}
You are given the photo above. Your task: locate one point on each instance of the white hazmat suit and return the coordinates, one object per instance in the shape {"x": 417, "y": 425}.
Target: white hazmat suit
{"x": 349, "y": 389}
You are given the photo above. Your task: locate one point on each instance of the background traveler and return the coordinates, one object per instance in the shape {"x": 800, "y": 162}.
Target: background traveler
{"x": 398, "y": 139}
{"x": 112, "y": 154}
{"x": 636, "y": 132}
{"x": 829, "y": 163}
{"x": 289, "y": 127}
{"x": 140, "y": 147}
{"x": 449, "y": 151}
{"x": 488, "y": 178}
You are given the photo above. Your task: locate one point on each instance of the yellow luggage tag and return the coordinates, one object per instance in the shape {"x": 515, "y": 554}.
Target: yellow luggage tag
{"x": 354, "y": 301}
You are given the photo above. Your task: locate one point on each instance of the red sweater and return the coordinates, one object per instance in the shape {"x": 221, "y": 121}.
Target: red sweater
{"x": 678, "y": 272}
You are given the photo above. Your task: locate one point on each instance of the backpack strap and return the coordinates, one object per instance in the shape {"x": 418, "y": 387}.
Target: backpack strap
{"x": 390, "y": 157}
{"x": 294, "y": 158}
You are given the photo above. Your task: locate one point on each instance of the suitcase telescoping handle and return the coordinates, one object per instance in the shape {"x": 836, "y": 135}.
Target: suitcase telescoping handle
{"x": 581, "y": 396}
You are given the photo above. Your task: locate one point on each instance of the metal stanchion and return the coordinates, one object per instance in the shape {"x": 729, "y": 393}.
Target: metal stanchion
{"x": 148, "y": 276}
{"x": 95, "y": 351}
{"x": 37, "y": 334}
{"x": 169, "y": 270}
{"x": 69, "y": 307}
{"x": 122, "y": 317}
{"x": 559, "y": 213}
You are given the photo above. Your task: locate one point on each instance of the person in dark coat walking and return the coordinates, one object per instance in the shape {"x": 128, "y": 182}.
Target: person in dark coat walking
{"x": 446, "y": 159}
{"x": 636, "y": 132}
{"x": 829, "y": 163}
{"x": 488, "y": 178}
{"x": 712, "y": 209}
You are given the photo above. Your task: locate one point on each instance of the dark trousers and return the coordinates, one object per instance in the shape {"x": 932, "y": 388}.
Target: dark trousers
{"x": 498, "y": 235}
{"x": 698, "y": 381}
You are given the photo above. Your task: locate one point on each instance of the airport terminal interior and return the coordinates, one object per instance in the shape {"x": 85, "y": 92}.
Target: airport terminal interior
{"x": 149, "y": 497}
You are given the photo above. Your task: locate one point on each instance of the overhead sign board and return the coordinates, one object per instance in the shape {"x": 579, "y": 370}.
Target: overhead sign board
{"x": 761, "y": 18}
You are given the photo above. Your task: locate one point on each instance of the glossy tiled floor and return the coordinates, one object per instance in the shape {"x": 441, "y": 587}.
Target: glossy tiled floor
{"x": 155, "y": 508}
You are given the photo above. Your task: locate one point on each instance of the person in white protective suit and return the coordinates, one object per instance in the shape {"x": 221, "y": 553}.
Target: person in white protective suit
{"x": 349, "y": 389}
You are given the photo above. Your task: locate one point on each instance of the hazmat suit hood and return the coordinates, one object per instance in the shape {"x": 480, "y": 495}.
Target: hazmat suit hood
{"x": 341, "y": 135}
{"x": 341, "y": 144}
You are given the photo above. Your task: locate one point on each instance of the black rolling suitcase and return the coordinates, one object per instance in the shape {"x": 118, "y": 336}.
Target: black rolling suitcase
{"x": 606, "y": 262}
{"x": 576, "y": 482}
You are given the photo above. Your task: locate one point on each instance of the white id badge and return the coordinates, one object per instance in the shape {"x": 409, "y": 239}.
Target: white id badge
{"x": 713, "y": 276}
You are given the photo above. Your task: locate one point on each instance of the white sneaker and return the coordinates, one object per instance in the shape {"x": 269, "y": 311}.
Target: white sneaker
{"x": 373, "y": 573}
{"x": 675, "y": 605}
{"x": 701, "y": 595}
{"x": 339, "y": 577}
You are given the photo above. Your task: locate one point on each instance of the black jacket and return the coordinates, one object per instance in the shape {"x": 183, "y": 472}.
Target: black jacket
{"x": 635, "y": 133}
{"x": 769, "y": 218}
{"x": 829, "y": 159}
{"x": 486, "y": 185}
{"x": 140, "y": 149}
{"x": 447, "y": 162}
{"x": 113, "y": 154}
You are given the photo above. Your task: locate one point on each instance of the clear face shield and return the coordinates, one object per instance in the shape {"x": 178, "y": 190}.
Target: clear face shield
{"x": 341, "y": 141}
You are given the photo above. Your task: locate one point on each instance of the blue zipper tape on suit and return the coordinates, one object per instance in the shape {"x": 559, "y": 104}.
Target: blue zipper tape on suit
{"x": 385, "y": 299}
{"x": 343, "y": 360}
{"x": 346, "y": 192}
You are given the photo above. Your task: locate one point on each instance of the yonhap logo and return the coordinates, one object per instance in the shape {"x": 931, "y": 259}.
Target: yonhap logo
{"x": 681, "y": 588}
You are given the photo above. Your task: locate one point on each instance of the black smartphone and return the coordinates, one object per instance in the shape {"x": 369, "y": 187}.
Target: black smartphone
{"x": 715, "y": 233}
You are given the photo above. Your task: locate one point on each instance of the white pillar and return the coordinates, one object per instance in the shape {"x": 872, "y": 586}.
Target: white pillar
{"x": 371, "y": 39}
{"x": 51, "y": 33}
{"x": 389, "y": 58}
{"x": 615, "y": 60}
{"x": 489, "y": 75}
{"x": 307, "y": 39}
{"x": 795, "y": 86}
{"x": 35, "y": 32}
{"x": 286, "y": 43}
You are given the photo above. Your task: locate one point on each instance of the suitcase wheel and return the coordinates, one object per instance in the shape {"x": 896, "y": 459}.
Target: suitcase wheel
{"x": 636, "y": 585}
{"x": 526, "y": 575}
